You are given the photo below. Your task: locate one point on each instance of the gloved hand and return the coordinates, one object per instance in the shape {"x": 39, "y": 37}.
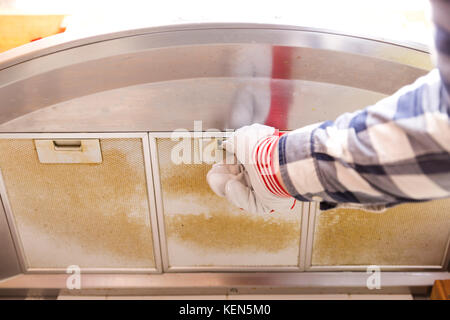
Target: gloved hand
{"x": 251, "y": 184}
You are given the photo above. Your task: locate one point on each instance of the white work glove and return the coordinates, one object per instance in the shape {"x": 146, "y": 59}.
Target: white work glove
{"x": 251, "y": 184}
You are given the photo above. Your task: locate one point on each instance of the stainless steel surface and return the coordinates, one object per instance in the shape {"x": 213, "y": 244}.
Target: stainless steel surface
{"x": 446, "y": 259}
{"x": 160, "y": 79}
{"x": 9, "y": 263}
{"x": 231, "y": 283}
{"x": 12, "y": 226}
{"x": 164, "y": 78}
{"x": 65, "y": 41}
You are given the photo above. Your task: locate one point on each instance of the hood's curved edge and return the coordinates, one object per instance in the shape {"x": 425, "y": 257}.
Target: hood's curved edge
{"x": 66, "y": 41}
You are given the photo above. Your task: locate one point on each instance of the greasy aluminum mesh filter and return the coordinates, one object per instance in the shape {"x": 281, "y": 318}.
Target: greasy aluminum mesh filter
{"x": 203, "y": 229}
{"x": 90, "y": 215}
{"x": 409, "y": 234}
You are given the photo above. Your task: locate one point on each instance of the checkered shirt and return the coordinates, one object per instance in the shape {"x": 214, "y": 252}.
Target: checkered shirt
{"x": 395, "y": 151}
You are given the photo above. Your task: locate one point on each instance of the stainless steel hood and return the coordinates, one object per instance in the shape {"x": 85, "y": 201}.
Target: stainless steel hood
{"x": 163, "y": 78}
{"x": 144, "y": 83}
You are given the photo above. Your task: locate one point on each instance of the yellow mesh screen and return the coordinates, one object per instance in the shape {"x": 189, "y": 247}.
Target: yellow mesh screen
{"x": 205, "y": 230}
{"x": 90, "y": 215}
{"x": 409, "y": 234}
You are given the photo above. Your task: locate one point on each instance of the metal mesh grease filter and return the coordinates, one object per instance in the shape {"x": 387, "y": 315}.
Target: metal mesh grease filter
{"x": 203, "y": 229}
{"x": 90, "y": 215}
{"x": 409, "y": 234}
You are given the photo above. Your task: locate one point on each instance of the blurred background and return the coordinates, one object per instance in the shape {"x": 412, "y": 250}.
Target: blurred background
{"x": 22, "y": 21}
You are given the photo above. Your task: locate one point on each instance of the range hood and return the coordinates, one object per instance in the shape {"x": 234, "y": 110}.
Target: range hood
{"x": 87, "y": 178}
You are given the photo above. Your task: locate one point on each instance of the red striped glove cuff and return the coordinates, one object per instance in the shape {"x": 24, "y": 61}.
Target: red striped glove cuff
{"x": 263, "y": 157}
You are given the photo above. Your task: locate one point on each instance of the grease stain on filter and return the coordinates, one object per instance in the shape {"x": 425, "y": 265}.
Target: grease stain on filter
{"x": 408, "y": 234}
{"x": 224, "y": 227}
{"x": 92, "y": 215}
{"x": 204, "y": 229}
{"x": 222, "y": 231}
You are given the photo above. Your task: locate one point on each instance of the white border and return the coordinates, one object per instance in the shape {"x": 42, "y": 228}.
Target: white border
{"x": 160, "y": 213}
{"x": 150, "y": 198}
{"x": 314, "y": 211}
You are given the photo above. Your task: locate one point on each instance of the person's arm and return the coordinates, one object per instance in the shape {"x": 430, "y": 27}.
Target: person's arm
{"x": 392, "y": 152}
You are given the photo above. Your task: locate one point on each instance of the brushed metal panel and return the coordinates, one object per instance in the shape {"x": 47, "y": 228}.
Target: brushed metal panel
{"x": 96, "y": 216}
{"x": 219, "y": 102}
{"x": 203, "y": 33}
{"x": 231, "y": 282}
{"x": 206, "y": 231}
{"x": 406, "y": 235}
{"x": 208, "y": 52}
{"x": 9, "y": 263}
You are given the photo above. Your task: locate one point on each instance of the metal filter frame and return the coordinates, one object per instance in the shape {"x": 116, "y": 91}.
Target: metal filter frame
{"x": 153, "y": 136}
{"x": 150, "y": 196}
{"x": 314, "y": 211}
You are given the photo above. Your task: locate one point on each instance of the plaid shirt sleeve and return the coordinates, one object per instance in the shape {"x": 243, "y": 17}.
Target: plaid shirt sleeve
{"x": 395, "y": 151}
